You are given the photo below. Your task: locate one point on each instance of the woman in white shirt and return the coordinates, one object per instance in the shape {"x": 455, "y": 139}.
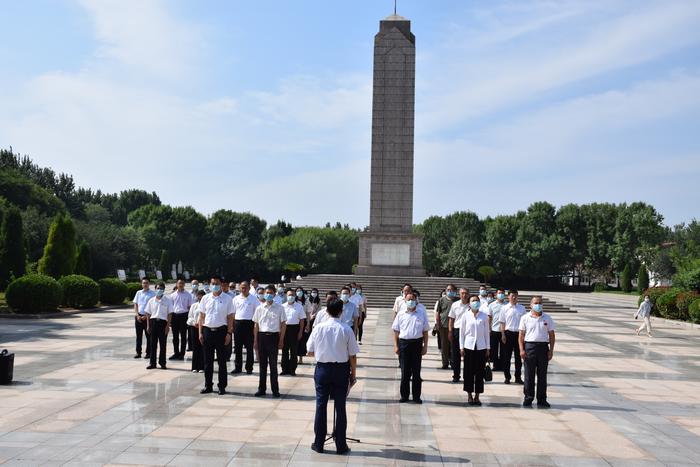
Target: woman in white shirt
{"x": 193, "y": 333}
{"x": 474, "y": 342}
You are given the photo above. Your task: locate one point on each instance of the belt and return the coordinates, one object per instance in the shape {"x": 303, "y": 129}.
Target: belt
{"x": 536, "y": 342}
{"x": 269, "y": 333}
{"x": 411, "y": 340}
{"x": 158, "y": 319}
{"x": 332, "y": 363}
{"x": 217, "y": 327}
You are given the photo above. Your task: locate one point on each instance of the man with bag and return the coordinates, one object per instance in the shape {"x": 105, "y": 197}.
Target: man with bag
{"x": 442, "y": 310}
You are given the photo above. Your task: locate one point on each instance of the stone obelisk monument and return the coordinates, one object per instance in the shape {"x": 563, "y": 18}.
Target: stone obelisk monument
{"x": 390, "y": 248}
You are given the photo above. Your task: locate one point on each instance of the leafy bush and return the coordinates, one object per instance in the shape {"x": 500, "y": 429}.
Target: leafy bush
{"x": 131, "y": 289}
{"x": 654, "y": 293}
{"x": 79, "y": 291}
{"x": 600, "y": 287}
{"x": 694, "y": 311}
{"x": 626, "y": 279}
{"x": 34, "y": 293}
{"x": 683, "y": 301}
{"x": 642, "y": 278}
{"x": 688, "y": 277}
{"x": 112, "y": 291}
{"x": 60, "y": 251}
{"x": 666, "y": 304}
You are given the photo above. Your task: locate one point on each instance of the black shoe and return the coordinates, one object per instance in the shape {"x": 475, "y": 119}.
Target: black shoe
{"x": 543, "y": 405}
{"x": 455, "y": 380}
{"x": 359, "y": 342}
{"x": 235, "y": 372}
{"x": 316, "y": 448}
{"x": 276, "y": 394}
{"x": 519, "y": 381}
{"x": 293, "y": 373}
{"x": 418, "y": 401}
{"x": 163, "y": 367}
{"x": 260, "y": 394}
{"x": 284, "y": 373}
{"x": 174, "y": 357}
{"x": 206, "y": 391}
{"x": 343, "y": 451}
{"x": 146, "y": 357}
{"x": 444, "y": 367}
{"x": 403, "y": 399}
{"x": 138, "y": 355}
{"x": 222, "y": 391}
{"x": 249, "y": 372}
{"x": 477, "y": 402}
{"x": 506, "y": 381}
{"x": 150, "y": 367}
{"x": 527, "y": 403}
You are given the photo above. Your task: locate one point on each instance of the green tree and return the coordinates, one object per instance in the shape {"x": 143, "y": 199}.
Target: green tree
{"x": 164, "y": 264}
{"x": 500, "y": 247}
{"x": 13, "y": 258}
{"x": 60, "y": 251}
{"x": 642, "y": 278}
{"x": 626, "y": 279}
{"x": 453, "y": 245}
{"x": 599, "y": 219}
{"x": 571, "y": 230}
{"x": 83, "y": 263}
{"x": 129, "y": 201}
{"x": 539, "y": 243}
{"x": 233, "y": 244}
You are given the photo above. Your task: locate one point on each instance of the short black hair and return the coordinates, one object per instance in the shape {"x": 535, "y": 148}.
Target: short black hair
{"x": 416, "y": 292}
{"x": 451, "y": 286}
{"x": 332, "y": 293}
{"x": 215, "y": 277}
{"x": 513, "y": 291}
{"x": 345, "y": 287}
{"x": 270, "y": 288}
{"x": 334, "y": 307}
{"x": 160, "y": 285}
{"x": 201, "y": 292}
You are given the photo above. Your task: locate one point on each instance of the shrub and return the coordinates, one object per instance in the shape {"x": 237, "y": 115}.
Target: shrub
{"x": 34, "y": 293}
{"x": 642, "y": 279}
{"x": 83, "y": 263}
{"x": 13, "y": 258}
{"x": 666, "y": 304}
{"x": 626, "y": 279}
{"x": 654, "y": 293}
{"x": 688, "y": 277}
{"x": 79, "y": 291}
{"x": 683, "y": 301}
{"x": 131, "y": 289}
{"x": 600, "y": 287}
{"x": 60, "y": 250}
{"x": 694, "y": 311}
{"x": 112, "y": 291}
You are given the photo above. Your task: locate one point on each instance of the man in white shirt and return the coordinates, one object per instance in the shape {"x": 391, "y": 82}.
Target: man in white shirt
{"x": 140, "y": 319}
{"x": 322, "y": 314}
{"x": 194, "y": 288}
{"x": 350, "y": 312}
{"x": 270, "y": 327}
{"x": 279, "y": 297}
{"x": 215, "y": 331}
{"x": 333, "y": 345}
{"x": 361, "y": 302}
{"x": 483, "y": 292}
{"x": 536, "y": 339}
{"x": 509, "y": 320}
{"x": 182, "y": 301}
{"x": 399, "y": 302}
{"x": 296, "y": 319}
{"x": 358, "y": 301}
{"x": 159, "y": 310}
{"x": 244, "y": 307}
{"x": 494, "y": 312}
{"x": 453, "y": 323}
{"x": 410, "y": 344}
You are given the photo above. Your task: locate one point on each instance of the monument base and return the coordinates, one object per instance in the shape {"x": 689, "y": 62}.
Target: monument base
{"x": 390, "y": 254}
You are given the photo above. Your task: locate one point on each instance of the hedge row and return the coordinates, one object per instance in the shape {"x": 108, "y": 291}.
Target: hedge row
{"x": 673, "y": 303}
{"x": 37, "y": 293}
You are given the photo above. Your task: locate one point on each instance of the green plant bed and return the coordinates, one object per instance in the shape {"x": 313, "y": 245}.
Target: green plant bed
{"x": 34, "y": 293}
{"x": 112, "y": 291}
{"x": 79, "y": 291}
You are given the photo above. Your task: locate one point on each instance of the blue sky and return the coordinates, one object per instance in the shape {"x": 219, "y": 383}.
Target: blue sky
{"x": 265, "y": 106}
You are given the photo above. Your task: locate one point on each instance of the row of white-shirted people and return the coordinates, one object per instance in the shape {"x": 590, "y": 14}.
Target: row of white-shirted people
{"x": 473, "y": 330}
{"x": 223, "y": 319}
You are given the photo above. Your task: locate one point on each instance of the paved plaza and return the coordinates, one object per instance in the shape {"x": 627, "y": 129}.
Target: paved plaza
{"x": 80, "y": 398}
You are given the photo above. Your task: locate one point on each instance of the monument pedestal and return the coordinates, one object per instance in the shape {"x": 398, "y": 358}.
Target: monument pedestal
{"x": 391, "y": 254}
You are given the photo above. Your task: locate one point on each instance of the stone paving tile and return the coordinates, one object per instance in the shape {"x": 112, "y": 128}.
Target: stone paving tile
{"x": 618, "y": 399}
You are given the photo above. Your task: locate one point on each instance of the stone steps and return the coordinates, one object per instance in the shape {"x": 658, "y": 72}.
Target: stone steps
{"x": 381, "y": 291}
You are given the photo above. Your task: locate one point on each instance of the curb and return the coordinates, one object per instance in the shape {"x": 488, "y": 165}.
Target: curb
{"x": 673, "y": 322}
{"x": 61, "y": 314}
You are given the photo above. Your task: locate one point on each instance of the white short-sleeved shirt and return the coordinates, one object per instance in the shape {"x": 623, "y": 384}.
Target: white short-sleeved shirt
{"x": 216, "y": 309}
{"x": 536, "y": 327}
{"x": 398, "y": 303}
{"x": 269, "y": 317}
{"x": 141, "y": 299}
{"x": 159, "y": 309}
{"x": 182, "y": 301}
{"x": 332, "y": 341}
{"x": 411, "y": 324}
{"x": 193, "y": 315}
{"x": 294, "y": 312}
{"x": 321, "y": 316}
{"x": 456, "y": 311}
{"x": 357, "y": 300}
{"x": 494, "y": 313}
{"x": 474, "y": 331}
{"x": 244, "y": 307}
{"x": 350, "y": 313}
{"x": 510, "y": 316}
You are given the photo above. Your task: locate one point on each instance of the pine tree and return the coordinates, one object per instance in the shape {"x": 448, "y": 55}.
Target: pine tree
{"x": 60, "y": 250}
{"x": 626, "y": 279}
{"x": 642, "y": 279}
{"x": 83, "y": 263}
{"x": 13, "y": 256}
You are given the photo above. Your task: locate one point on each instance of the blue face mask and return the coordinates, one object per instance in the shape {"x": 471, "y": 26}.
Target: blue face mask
{"x": 474, "y": 305}
{"x": 359, "y": 292}
{"x": 501, "y": 296}
{"x": 290, "y": 299}
{"x": 344, "y": 297}
{"x": 411, "y": 304}
{"x": 261, "y": 297}
{"x": 300, "y": 293}
{"x": 482, "y": 293}
{"x": 269, "y": 297}
{"x": 451, "y": 294}
{"x": 195, "y": 287}
{"x": 353, "y": 290}
{"x": 216, "y": 288}
{"x": 537, "y": 308}
{"x": 160, "y": 292}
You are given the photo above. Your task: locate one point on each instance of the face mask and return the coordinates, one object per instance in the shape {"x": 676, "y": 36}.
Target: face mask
{"x": 344, "y": 297}
{"x": 269, "y": 297}
{"x": 646, "y": 299}
{"x": 216, "y": 288}
{"x": 490, "y": 299}
{"x": 290, "y": 298}
{"x": 353, "y": 290}
{"x": 195, "y": 288}
{"x": 482, "y": 293}
{"x": 411, "y": 304}
{"x": 537, "y": 308}
{"x": 359, "y": 292}
{"x": 300, "y": 293}
{"x": 280, "y": 290}
{"x": 474, "y": 305}
{"x": 159, "y": 293}
{"x": 261, "y": 297}
{"x": 501, "y": 296}
{"x": 314, "y": 294}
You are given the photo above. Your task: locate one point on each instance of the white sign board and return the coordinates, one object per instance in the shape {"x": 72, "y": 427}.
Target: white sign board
{"x": 173, "y": 274}
{"x": 142, "y": 274}
{"x": 391, "y": 254}
{"x": 121, "y": 274}
{"x": 187, "y": 275}
{"x": 159, "y": 275}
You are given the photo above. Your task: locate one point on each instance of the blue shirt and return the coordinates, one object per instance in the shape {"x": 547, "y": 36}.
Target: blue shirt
{"x": 141, "y": 299}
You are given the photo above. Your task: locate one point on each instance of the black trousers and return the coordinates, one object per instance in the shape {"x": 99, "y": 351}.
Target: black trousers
{"x": 536, "y": 363}
{"x": 410, "y": 358}
{"x": 140, "y": 327}
{"x": 332, "y": 380}
{"x": 196, "y": 346}
{"x": 214, "y": 339}
{"x": 243, "y": 337}
{"x": 289, "y": 350}
{"x": 158, "y": 338}
{"x": 179, "y": 329}
{"x": 511, "y": 348}
{"x": 268, "y": 343}
{"x": 455, "y": 356}
{"x": 360, "y": 325}
{"x": 474, "y": 363}
{"x": 495, "y": 352}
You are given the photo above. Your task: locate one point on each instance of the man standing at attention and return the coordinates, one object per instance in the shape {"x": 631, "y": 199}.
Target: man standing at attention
{"x": 182, "y": 301}
{"x": 159, "y": 310}
{"x": 270, "y": 326}
{"x": 441, "y": 319}
{"x": 509, "y": 320}
{"x": 410, "y": 344}
{"x": 536, "y": 339}
{"x": 494, "y": 312}
{"x": 333, "y": 345}
{"x": 215, "y": 330}
{"x": 295, "y": 322}
{"x": 244, "y": 306}
{"x": 141, "y": 319}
